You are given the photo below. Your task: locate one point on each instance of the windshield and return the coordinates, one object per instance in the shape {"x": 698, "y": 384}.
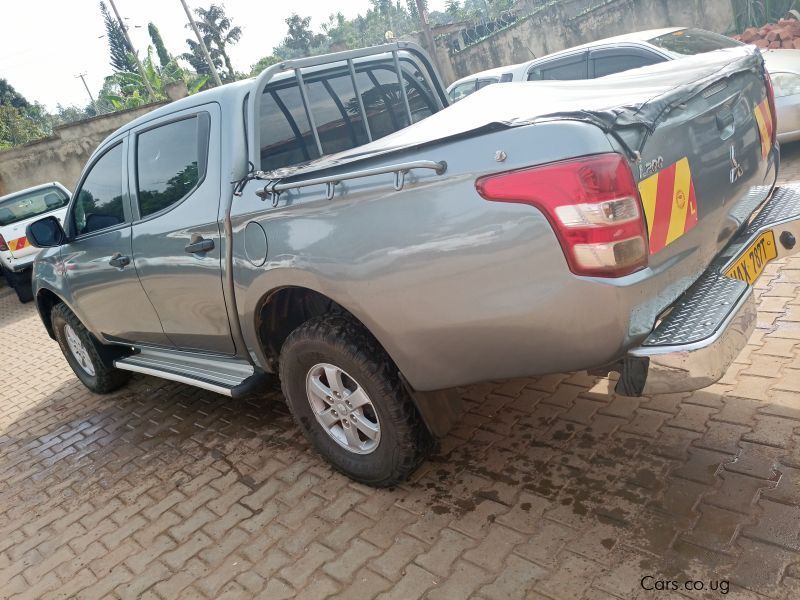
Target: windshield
{"x": 693, "y": 41}
{"x": 30, "y": 205}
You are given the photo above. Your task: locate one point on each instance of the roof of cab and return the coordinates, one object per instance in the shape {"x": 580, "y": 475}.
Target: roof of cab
{"x": 234, "y": 90}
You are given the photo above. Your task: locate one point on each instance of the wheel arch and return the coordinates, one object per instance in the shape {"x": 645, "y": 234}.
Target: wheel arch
{"x": 284, "y": 309}
{"x": 46, "y": 299}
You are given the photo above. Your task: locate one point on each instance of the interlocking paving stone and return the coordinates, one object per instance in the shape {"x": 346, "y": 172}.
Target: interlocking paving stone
{"x": 549, "y": 487}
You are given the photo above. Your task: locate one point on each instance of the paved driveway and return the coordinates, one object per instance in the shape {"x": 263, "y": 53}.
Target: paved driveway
{"x": 549, "y": 487}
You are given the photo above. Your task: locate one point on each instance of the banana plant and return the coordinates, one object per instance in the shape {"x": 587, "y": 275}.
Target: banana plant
{"x": 125, "y": 90}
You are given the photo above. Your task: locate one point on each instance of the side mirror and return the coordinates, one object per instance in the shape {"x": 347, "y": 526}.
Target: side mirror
{"x": 45, "y": 233}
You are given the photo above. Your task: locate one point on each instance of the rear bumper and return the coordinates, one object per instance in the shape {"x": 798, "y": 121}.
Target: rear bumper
{"x": 16, "y": 264}
{"x": 709, "y": 325}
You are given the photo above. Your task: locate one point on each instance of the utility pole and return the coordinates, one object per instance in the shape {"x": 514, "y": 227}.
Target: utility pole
{"x": 82, "y": 77}
{"x": 133, "y": 51}
{"x": 200, "y": 41}
{"x": 422, "y": 9}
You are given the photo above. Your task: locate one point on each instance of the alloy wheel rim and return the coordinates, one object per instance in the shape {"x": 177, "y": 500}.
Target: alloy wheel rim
{"x": 78, "y": 350}
{"x": 343, "y": 408}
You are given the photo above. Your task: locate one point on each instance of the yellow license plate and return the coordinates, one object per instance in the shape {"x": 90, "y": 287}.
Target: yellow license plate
{"x": 751, "y": 264}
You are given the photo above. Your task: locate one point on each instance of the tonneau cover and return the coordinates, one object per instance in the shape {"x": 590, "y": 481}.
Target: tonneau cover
{"x": 635, "y": 99}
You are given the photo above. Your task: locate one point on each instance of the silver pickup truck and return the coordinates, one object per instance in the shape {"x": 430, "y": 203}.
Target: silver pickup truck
{"x": 332, "y": 221}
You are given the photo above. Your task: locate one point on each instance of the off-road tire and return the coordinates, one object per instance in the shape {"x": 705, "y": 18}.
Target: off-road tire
{"x": 105, "y": 379}
{"x": 339, "y": 340}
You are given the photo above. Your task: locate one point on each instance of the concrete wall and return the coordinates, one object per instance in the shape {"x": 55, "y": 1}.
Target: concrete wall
{"x": 566, "y": 23}
{"x": 62, "y": 156}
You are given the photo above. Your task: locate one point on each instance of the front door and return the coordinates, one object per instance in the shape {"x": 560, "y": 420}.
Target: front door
{"x": 98, "y": 261}
{"x": 177, "y": 247}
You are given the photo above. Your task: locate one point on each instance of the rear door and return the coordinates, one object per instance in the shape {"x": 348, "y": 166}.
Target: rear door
{"x": 177, "y": 247}
{"x": 105, "y": 290}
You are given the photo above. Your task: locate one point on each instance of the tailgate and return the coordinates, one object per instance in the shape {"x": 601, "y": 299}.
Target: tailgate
{"x": 704, "y": 170}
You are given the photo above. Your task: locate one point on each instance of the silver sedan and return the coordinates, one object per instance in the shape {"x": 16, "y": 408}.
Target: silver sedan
{"x": 784, "y": 68}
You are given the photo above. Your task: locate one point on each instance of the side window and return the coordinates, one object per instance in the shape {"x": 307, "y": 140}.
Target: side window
{"x": 98, "y": 204}
{"x": 286, "y": 137}
{"x": 609, "y": 63}
{"x": 482, "y": 83}
{"x": 383, "y": 101}
{"x": 286, "y": 134}
{"x": 168, "y": 163}
{"x": 336, "y": 112}
{"x": 462, "y": 90}
{"x": 573, "y": 67}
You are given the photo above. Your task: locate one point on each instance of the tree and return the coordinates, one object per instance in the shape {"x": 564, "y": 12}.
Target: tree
{"x": 453, "y": 8}
{"x": 300, "y": 39}
{"x": 263, "y": 63}
{"x": 215, "y": 26}
{"x": 121, "y": 54}
{"x": 155, "y": 35}
{"x": 197, "y": 59}
{"x": 18, "y": 127}
{"x": 127, "y": 90}
{"x": 11, "y": 97}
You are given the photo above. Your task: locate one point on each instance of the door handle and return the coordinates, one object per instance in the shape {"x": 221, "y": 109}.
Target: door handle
{"x": 199, "y": 245}
{"x": 119, "y": 261}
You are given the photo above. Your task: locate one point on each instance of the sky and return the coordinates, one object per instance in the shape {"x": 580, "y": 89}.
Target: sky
{"x": 45, "y": 44}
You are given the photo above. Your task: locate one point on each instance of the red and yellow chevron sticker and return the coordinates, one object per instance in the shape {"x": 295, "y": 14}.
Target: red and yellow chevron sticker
{"x": 765, "y": 124}
{"x": 18, "y": 244}
{"x": 670, "y": 206}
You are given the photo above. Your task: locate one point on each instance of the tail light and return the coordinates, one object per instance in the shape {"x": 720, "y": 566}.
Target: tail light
{"x": 3, "y": 244}
{"x": 772, "y": 111}
{"x": 592, "y": 204}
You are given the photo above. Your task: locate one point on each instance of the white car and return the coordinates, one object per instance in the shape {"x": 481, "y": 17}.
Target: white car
{"x": 16, "y": 211}
{"x": 784, "y": 69}
{"x": 639, "y": 49}
{"x": 600, "y": 58}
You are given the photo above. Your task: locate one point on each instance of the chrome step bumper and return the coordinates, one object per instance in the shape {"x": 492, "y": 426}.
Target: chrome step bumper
{"x": 710, "y": 323}
{"x": 226, "y": 376}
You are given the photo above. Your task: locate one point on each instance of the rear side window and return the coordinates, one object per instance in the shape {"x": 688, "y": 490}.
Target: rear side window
{"x": 482, "y": 83}
{"x": 462, "y": 90}
{"x": 573, "y": 67}
{"x": 98, "y": 204}
{"x": 693, "y": 41}
{"x": 286, "y": 134}
{"x": 168, "y": 164}
{"x": 617, "y": 63}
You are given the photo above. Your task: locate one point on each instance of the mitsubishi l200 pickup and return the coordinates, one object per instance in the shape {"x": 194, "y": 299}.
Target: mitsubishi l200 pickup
{"x": 333, "y": 222}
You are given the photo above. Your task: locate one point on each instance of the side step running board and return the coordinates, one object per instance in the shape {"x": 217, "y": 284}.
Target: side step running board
{"x": 226, "y": 376}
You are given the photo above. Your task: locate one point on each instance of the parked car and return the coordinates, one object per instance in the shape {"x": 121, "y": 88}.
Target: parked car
{"x": 621, "y": 53}
{"x": 784, "y": 68}
{"x": 382, "y": 249}
{"x": 601, "y": 58}
{"x": 17, "y": 210}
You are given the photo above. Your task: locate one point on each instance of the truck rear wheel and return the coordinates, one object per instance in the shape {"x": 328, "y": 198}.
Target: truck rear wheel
{"x": 346, "y": 395}
{"x": 81, "y": 353}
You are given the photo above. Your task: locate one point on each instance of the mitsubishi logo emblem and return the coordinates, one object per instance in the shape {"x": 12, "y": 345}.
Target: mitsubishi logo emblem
{"x": 736, "y": 169}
